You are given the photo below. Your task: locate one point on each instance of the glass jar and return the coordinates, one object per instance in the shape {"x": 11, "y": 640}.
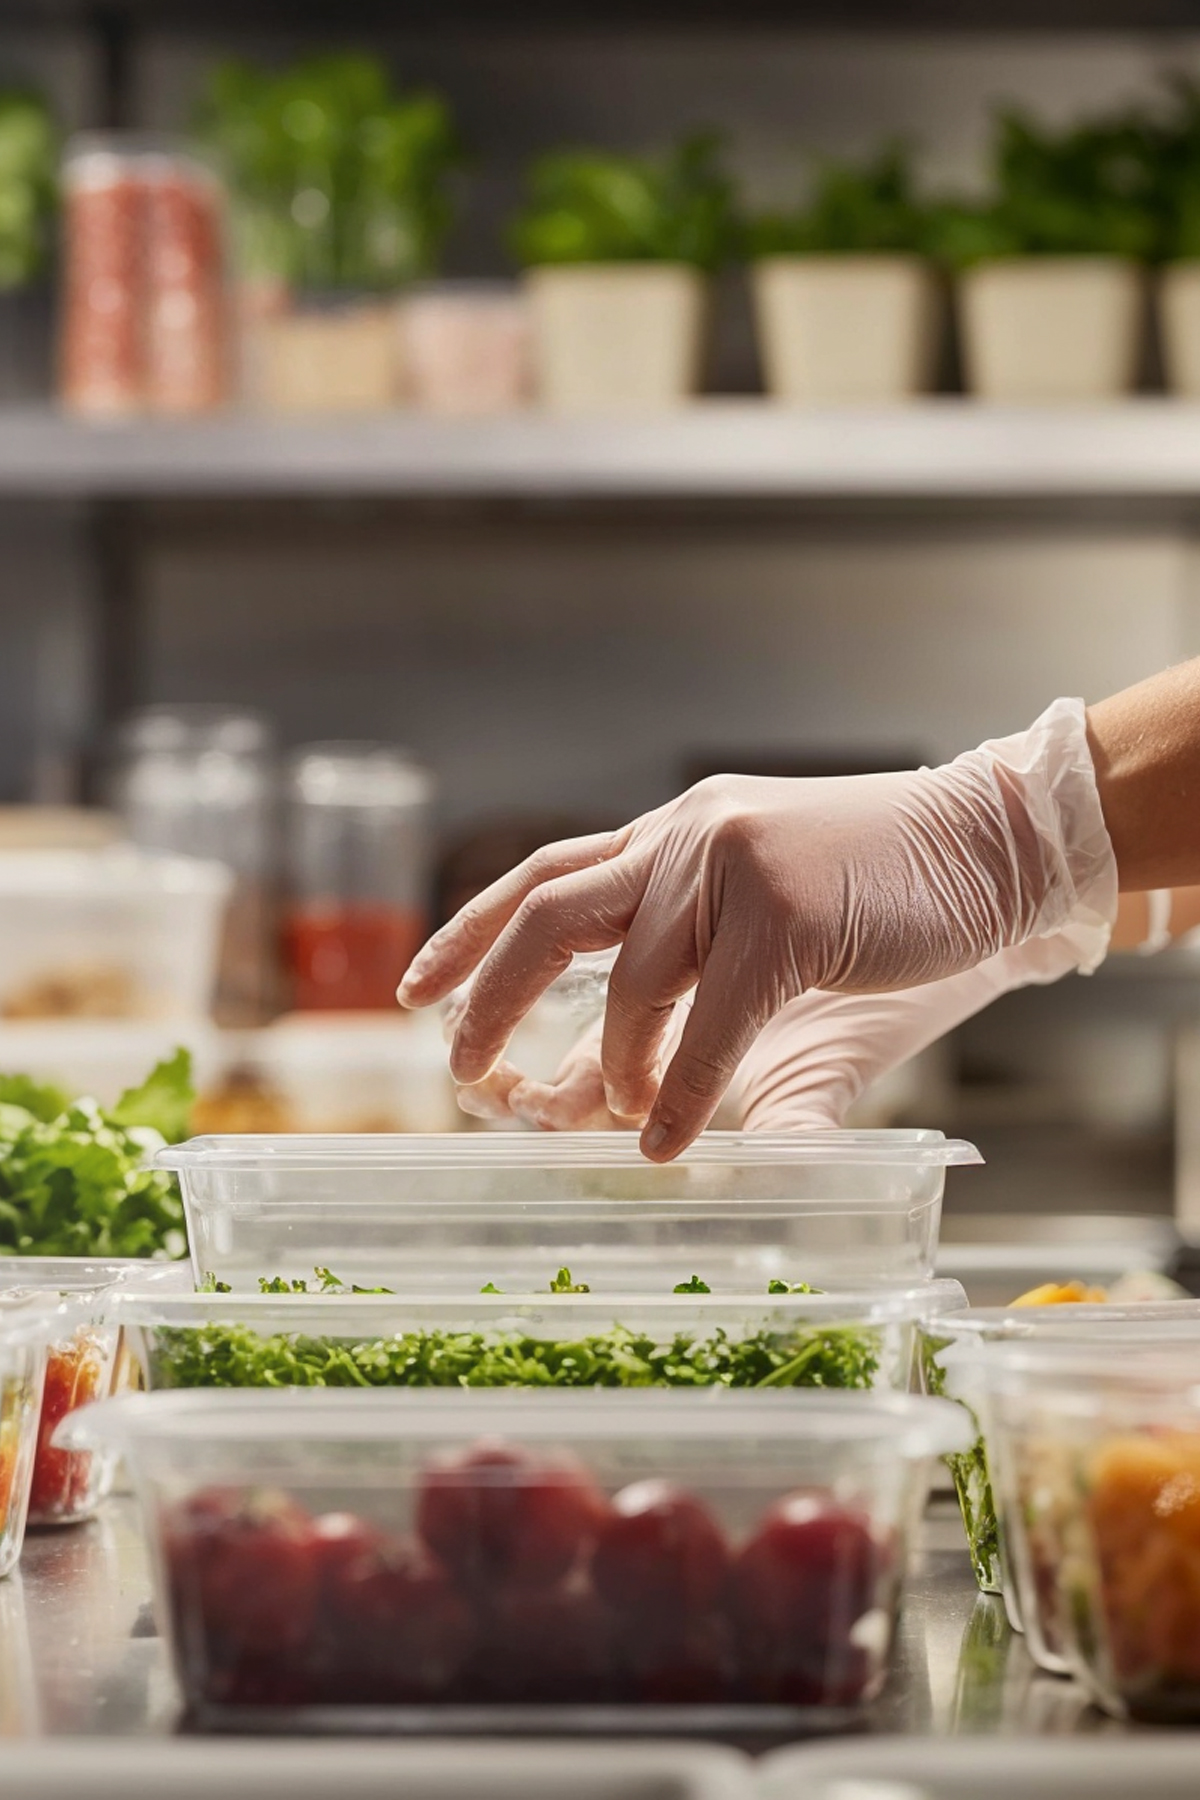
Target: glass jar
{"x": 358, "y": 865}
{"x": 201, "y": 781}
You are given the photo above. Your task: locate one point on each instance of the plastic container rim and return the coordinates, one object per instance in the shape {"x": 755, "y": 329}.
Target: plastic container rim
{"x": 572, "y": 1150}
{"x": 915, "y": 1425}
{"x": 850, "y": 1306}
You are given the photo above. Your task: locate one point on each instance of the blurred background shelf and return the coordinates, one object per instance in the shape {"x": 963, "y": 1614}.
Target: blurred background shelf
{"x": 934, "y": 450}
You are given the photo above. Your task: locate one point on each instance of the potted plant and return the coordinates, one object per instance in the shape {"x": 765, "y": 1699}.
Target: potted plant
{"x": 340, "y": 192}
{"x": 617, "y": 251}
{"x": 1052, "y": 266}
{"x": 28, "y": 204}
{"x": 845, "y": 299}
{"x": 1178, "y": 171}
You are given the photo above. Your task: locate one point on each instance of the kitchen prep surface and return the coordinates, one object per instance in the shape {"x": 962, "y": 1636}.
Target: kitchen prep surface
{"x": 79, "y": 1655}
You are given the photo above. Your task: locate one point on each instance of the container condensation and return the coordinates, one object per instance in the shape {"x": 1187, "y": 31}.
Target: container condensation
{"x": 457, "y": 1562}
{"x": 842, "y": 1340}
{"x": 454, "y": 1213}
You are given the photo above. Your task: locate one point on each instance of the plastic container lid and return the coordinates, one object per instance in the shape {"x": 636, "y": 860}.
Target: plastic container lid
{"x": 908, "y": 1425}
{"x": 1083, "y": 1319}
{"x": 569, "y": 1150}
{"x": 558, "y": 1316}
{"x": 120, "y": 873}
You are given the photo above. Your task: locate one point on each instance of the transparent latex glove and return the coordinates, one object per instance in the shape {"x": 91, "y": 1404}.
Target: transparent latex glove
{"x": 813, "y": 1060}
{"x": 755, "y": 890}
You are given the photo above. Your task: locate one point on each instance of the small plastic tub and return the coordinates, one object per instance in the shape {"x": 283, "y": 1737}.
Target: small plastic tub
{"x": 843, "y": 1340}
{"x": 119, "y": 933}
{"x": 951, "y": 1365}
{"x": 27, "y": 1326}
{"x": 448, "y": 1561}
{"x": 836, "y": 1208}
{"x": 1096, "y": 1458}
{"x": 84, "y": 1362}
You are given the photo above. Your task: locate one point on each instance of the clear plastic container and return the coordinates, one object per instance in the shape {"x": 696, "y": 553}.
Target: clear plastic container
{"x": 27, "y": 1326}
{"x": 117, "y": 934}
{"x": 84, "y": 1362}
{"x": 201, "y": 781}
{"x": 844, "y": 1340}
{"x": 358, "y": 871}
{"x": 837, "y": 1208}
{"x": 953, "y": 1357}
{"x": 1096, "y": 1460}
{"x": 451, "y": 1561}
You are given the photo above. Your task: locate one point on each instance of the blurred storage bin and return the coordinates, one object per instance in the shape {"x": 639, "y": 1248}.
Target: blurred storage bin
{"x": 118, "y": 934}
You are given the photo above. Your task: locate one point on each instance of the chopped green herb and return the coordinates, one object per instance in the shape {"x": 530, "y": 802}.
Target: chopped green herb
{"x": 790, "y": 1287}
{"x": 694, "y": 1286}
{"x": 562, "y": 1284}
{"x": 490, "y": 1287}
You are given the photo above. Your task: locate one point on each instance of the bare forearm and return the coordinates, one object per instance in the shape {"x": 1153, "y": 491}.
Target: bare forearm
{"x": 1146, "y": 748}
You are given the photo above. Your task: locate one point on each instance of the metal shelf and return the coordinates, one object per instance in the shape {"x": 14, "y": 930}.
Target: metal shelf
{"x": 1144, "y": 450}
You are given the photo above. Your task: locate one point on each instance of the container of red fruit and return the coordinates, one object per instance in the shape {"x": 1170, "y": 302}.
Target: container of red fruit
{"x": 84, "y": 1363}
{"x": 448, "y": 1561}
{"x": 456, "y": 1212}
{"x": 27, "y": 1327}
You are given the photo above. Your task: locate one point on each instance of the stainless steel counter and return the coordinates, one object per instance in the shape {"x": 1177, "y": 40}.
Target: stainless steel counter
{"x": 79, "y": 1656}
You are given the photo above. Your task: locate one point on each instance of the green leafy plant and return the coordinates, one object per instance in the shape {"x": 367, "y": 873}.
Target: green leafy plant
{"x": 593, "y": 206}
{"x": 28, "y": 187}
{"x": 339, "y": 181}
{"x": 74, "y": 1181}
{"x": 1092, "y": 189}
{"x": 853, "y": 208}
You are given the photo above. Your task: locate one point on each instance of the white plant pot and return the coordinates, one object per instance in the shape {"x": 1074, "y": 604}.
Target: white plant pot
{"x": 844, "y": 329}
{"x": 1052, "y": 328}
{"x": 1179, "y": 327}
{"x": 330, "y": 359}
{"x": 613, "y": 336}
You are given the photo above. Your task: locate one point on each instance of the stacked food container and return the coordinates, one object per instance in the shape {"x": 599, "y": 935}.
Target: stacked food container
{"x": 1081, "y": 1492}
{"x": 712, "y": 1536}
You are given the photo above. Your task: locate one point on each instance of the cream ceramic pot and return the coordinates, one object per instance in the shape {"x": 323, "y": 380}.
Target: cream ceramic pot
{"x": 1052, "y": 328}
{"x": 837, "y": 329}
{"x": 613, "y": 336}
{"x": 1179, "y": 326}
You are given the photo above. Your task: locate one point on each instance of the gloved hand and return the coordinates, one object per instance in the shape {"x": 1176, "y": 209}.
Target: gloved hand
{"x": 812, "y": 1061}
{"x": 754, "y": 891}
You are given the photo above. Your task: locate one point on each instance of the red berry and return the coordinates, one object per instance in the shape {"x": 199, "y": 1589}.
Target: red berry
{"x": 694, "y": 1665}
{"x": 398, "y": 1630}
{"x": 242, "y": 1568}
{"x": 807, "y": 1576}
{"x": 339, "y": 1539}
{"x": 499, "y": 1516}
{"x": 545, "y": 1646}
{"x": 661, "y": 1556}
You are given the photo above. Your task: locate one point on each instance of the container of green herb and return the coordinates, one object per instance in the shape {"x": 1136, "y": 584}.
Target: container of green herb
{"x": 618, "y": 251}
{"x": 318, "y": 1333}
{"x": 847, "y": 303}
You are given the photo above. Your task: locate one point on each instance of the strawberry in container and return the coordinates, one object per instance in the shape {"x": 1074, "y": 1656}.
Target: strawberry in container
{"x": 708, "y": 1559}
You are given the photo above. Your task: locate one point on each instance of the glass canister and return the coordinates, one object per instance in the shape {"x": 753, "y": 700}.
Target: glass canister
{"x": 144, "y": 323}
{"x": 358, "y": 862}
{"x": 201, "y": 781}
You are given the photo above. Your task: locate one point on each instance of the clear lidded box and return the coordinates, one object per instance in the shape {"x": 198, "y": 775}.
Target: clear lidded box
{"x": 27, "y": 1326}
{"x": 954, "y": 1354}
{"x": 453, "y": 1213}
{"x": 83, "y": 1363}
{"x": 1097, "y": 1464}
{"x": 847, "y": 1339}
{"x": 441, "y": 1561}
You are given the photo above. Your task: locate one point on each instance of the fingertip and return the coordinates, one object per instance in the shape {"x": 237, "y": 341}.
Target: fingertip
{"x": 661, "y": 1142}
